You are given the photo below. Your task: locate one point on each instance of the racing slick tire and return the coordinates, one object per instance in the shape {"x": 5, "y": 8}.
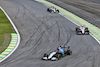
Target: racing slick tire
{"x": 48, "y": 9}
{"x": 79, "y": 32}
{"x": 87, "y": 33}
{"x": 45, "y": 55}
{"x": 57, "y": 11}
{"x": 58, "y": 56}
{"x": 69, "y": 52}
{"x": 86, "y": 29}
{"x": 77, "y": 28}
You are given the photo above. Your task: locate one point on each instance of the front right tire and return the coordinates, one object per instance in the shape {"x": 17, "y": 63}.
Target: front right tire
{"x": 48, "y": 9}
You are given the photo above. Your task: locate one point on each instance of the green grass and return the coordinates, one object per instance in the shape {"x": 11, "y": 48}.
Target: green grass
{"x": 5, "y": 30}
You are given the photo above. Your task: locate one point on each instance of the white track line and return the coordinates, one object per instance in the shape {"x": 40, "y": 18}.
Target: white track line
{"x": 78, "y": 25}
{"x": 73, "y": 22}
{"x": 18, "y": 42}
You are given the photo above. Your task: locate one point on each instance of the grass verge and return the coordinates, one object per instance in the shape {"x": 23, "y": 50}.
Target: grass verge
{"x": 5, "y": 31}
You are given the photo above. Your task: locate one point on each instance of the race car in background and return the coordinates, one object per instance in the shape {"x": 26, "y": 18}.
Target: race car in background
{"x": 52, "y": 10}
{"x": 82, "y": 30}
{"x": 54, "y": 56}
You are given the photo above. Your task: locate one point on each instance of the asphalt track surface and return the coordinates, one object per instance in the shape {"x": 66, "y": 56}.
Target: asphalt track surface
{"x": 42, "y": 32}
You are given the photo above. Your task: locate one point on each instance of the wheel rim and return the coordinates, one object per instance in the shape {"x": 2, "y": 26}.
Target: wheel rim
{"x": 70, "y": 52}
{"x": 46, "y": 55}
{"x": 58, "y": 56}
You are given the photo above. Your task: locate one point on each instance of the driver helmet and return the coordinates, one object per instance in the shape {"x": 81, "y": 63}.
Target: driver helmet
{"x": 57, "y": 49}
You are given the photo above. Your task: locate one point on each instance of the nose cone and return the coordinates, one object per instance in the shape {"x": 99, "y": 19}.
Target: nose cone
{"x": 82, "y": 29}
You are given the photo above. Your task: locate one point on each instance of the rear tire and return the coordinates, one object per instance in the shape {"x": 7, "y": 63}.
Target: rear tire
{"x": 48, "y": 9}
{"x": 69, "y": 52}
{"x": 79, "y": 33}
{"x": 45, "y": 55}
{"x": 87, "y": 32}
{"x": 57, "y": 11}
{"x": 77, "y": 28}
{"x": 58, "y": 56}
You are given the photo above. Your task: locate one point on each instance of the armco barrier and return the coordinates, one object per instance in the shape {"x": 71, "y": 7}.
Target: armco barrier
{"x": 10, "y": 47}
{"x": 95, "y": 31}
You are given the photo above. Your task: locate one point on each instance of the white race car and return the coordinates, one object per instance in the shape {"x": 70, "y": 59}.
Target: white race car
{"x": 54, "y": 56}
{"x": 82, "y": 30}
{"x": 52, "y": 10}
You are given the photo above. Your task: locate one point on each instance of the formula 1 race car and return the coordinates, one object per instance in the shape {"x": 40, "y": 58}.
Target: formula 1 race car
{"x": 54, "y": 56}
{"x": 82, "y": 30}
{"x": 52, "y": 10}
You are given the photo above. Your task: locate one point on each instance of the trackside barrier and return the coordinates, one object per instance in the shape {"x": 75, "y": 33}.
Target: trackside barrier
{"x": 10, "y": 47}
{"x": 95, "y": 31}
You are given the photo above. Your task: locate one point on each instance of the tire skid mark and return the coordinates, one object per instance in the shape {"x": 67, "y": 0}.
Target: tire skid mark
{"x": 46, "y": 30}
{"x": 37, "y": 42}
{"x": 68, "y": 38}
{"x": 58, "y": 31}
{"x": 34, "y": 47}
{"x": 80, "y": 54}
{"x": 17, "y": 10}
{"x": 20, "y": 5}
{"x": 17, "y": 4}
{"x": 38, "y": 27}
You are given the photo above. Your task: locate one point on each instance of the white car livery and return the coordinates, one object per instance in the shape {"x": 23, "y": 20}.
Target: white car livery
{"x": 52, "y": 10}
{"x": 82, "y": 30}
